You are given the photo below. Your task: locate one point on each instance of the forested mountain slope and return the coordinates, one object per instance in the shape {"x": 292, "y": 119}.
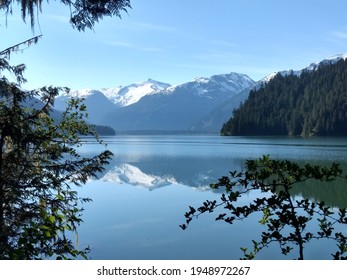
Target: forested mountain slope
{"x": 312, "y": 103}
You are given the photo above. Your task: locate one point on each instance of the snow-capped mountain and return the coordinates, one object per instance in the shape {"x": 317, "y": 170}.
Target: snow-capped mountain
{"x": 100, "y": 102}
{"x": 179, "y": 108}
{"x": 222, "y": 113}
{"x": 332, "y": 59}
{"x": 124, "y": 96}
{"x": 120, "y": 96}
{"x": 272, "y": 75}
{"x": 218, "y": 84}
{"x": 201, "y": 105}
{"x": 313, "y": 66}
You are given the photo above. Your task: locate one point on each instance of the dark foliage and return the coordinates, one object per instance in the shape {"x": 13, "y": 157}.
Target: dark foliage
{"x": 314, "y": 103}
{"x": 40, "y": 170}
{"x": 286, "y": 218}
{"x": 83, "y": 13}
{"x": 104, "y": 130}
{"x": 40, "y": 167}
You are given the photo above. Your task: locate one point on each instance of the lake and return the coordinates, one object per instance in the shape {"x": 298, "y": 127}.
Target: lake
{"x": 140, "y": 200}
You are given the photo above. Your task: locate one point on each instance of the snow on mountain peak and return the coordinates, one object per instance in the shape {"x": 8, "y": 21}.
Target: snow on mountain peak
{"x": 269, "y": 77}
{"x": 232, "y": 82}
{"x": 332, "y": 59}
{"x": 82, "y": 93}
{"x": 337, "y": 57}
{"x": 311, "y": 67}
{"x": 201, "y": 80}
{"x": 121, "y": 96}
{"x": 124, "y": 96}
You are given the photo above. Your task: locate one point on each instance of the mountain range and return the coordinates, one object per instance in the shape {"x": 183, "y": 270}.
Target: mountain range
{"x": 152, "y": 106}
{"x": 199, "y": 106}
{"x": 313, "y": 103}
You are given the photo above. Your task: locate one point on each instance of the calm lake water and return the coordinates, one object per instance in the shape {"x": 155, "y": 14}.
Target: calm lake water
{"x": 140, "y": 200}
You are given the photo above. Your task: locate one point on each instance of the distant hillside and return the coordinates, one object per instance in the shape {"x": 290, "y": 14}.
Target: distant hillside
{"x": 96, "y": 102}
{"x": 182, "y": 108}
{"x": 104, "y": 130}
{"x": 215, "y": 118}
{"x": 156, "y": 107}
{"x": 313, "y": 102}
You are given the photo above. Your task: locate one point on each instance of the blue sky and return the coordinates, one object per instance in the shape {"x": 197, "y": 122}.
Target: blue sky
{"x": 175, "y": 41}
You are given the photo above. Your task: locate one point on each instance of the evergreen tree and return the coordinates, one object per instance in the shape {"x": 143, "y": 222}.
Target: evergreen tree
{"x": 314, "y": 103}
{"x": 104, "y": 130}
{"x": 40, "y": 167}
{"x": 83, "y": 13}
{"x": 40, "y": 170}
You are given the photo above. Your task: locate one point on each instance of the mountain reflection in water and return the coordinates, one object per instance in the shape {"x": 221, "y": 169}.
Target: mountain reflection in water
{"x": 141, "y": 197}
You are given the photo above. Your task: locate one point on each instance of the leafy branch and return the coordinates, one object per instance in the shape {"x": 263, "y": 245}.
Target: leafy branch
{"x": 284, "y": 216}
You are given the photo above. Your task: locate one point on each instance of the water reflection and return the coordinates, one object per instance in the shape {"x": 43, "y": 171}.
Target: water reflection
{"x": 129, "y": 174}
{"x": 156, "y": 172}
{"x": 141, "y": 197}
{"x": 152, "y": 172}
{"x": 332, "y": 193}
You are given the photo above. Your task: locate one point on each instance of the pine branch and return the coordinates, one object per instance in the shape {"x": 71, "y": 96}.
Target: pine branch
{"x": 7, "y": 52}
